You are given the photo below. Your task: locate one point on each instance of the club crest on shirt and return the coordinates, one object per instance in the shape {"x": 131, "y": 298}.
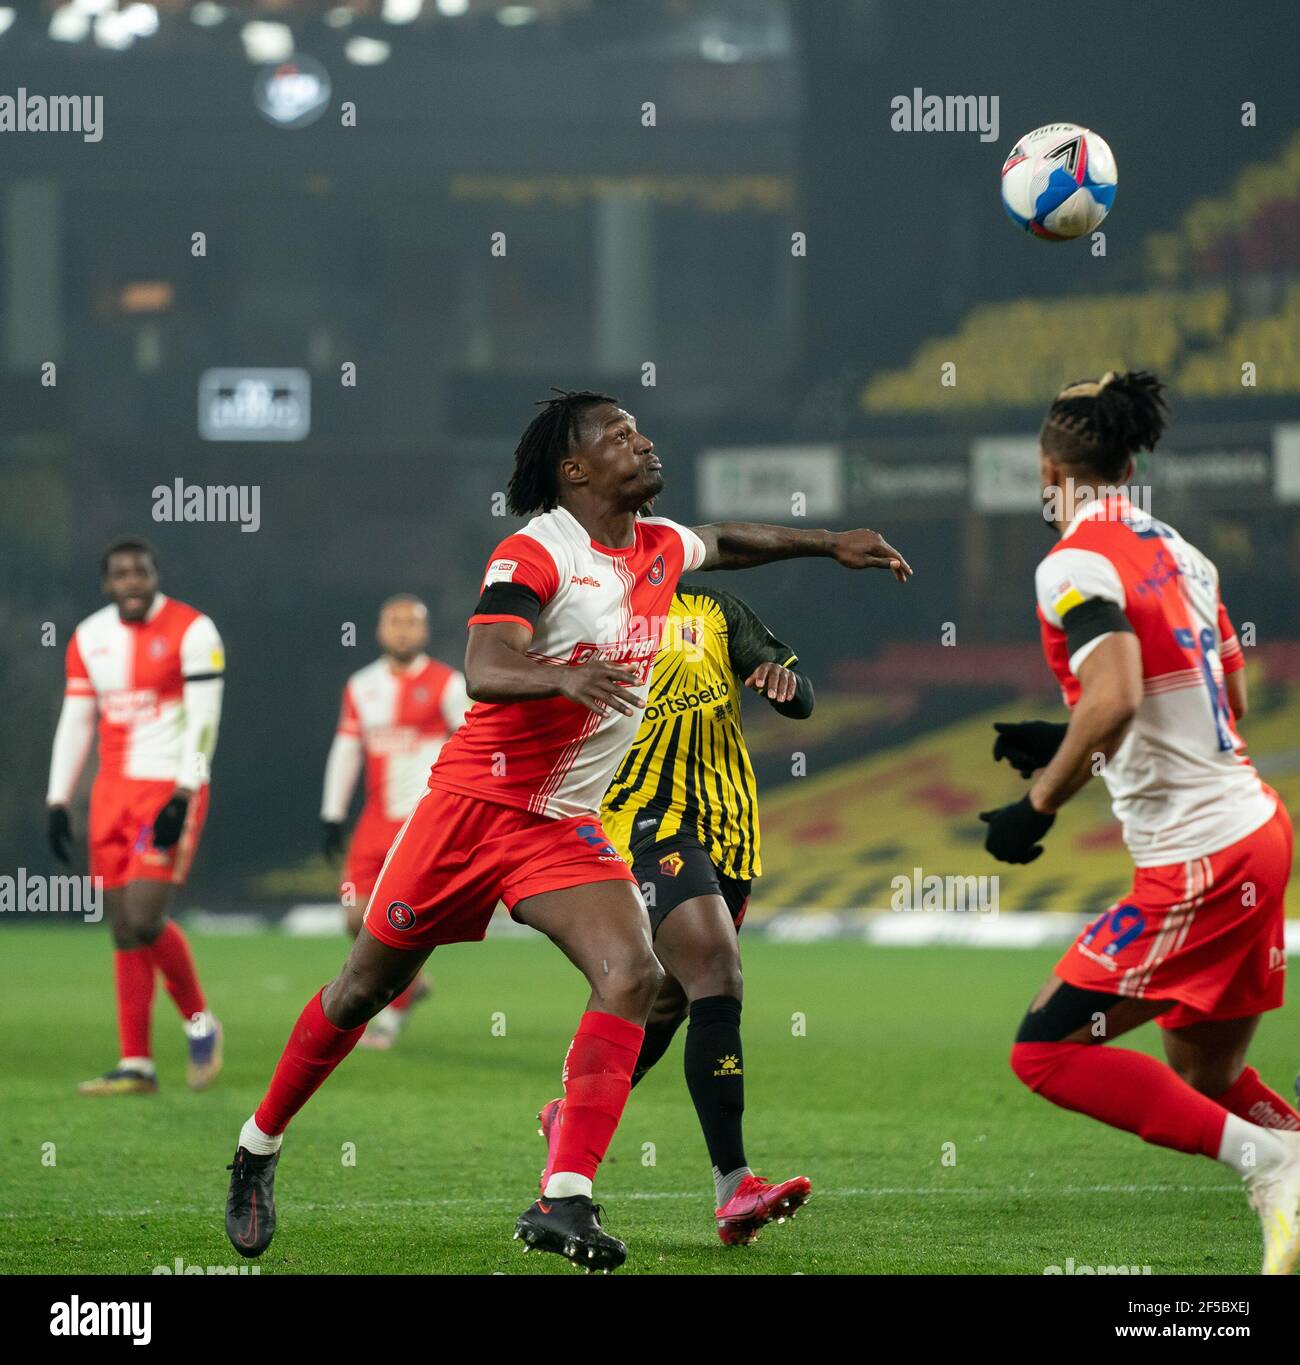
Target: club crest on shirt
{"x": 401, "y": 916}
{"x": 656, "y": 574}
{"x": 671, "y": 865}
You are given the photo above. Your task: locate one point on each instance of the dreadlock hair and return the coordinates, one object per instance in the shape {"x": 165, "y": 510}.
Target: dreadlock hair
{"x": 126, "y": 543}
{"x": 1097, "y": 425}
{"x": 535, "y": 485}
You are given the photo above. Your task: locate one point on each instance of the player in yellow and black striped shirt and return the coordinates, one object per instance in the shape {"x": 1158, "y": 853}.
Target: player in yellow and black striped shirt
{"x": 682, "y": 809}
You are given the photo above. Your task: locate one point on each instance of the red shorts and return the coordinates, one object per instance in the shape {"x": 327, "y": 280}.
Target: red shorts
{"x": 1207, "y": 933}
{"x": 122, "y": 812}
{"x": 371, "y": 840}
{"x": 457, "y": 856}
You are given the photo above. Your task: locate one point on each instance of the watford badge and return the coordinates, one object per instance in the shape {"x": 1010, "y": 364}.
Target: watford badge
{"x": 671, "y": 865}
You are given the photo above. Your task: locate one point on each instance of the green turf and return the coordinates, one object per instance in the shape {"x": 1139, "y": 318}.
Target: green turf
{"x": 904, "y": 1053}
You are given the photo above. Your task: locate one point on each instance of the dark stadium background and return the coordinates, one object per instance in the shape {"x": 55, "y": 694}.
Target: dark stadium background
{"x": 626, "y": 244}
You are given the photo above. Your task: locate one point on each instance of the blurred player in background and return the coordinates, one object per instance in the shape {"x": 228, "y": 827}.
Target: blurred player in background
{"x": 561, "y": 646}
{"x": 1135, "y": 630}
{"x": 397, "y": 712}
{"x": 683, "y": 811}
{"x": 152, "y": 668}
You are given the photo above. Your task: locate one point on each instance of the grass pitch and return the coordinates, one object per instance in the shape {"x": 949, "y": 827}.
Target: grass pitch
{"x": 880, "y": 1073}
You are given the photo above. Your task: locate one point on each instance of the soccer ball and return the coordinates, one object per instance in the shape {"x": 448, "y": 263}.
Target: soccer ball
{"x": 1059, "y": 181}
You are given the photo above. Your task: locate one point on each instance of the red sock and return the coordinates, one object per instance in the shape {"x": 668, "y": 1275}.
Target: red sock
{"x": 133, "y": 971}
{"x": 1249, "y": 1098}
{"x": 597, "y": 1082}
{"x": 403, "y": 1001}
{"x": 172, "y": 957}
{"x": 314, "y": 1049}
{"x": 1127, "y": 1090}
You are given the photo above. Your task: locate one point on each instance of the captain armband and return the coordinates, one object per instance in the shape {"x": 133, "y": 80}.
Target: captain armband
{"x": 1092, "y": 618}
{"x": 507, "y": 602}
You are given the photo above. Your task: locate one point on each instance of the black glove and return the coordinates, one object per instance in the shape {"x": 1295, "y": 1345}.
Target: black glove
{"x": 1014, "y": 831}
{"x": 169, "y": 822}
{"x": 1028, "y": 744}
{"x": 59, "y": 832}
{"x": 332, "y": 836}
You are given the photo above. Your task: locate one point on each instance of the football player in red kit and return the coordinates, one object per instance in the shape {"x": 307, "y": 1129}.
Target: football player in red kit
{"x": 569, "y": 619}
{"x": 151, "y": 668}
{"x": 396, "y": 715}
{"x": 1136, "y": 632}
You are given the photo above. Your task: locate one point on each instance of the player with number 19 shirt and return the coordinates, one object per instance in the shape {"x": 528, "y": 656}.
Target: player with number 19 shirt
{"x": 1136, "y": 632}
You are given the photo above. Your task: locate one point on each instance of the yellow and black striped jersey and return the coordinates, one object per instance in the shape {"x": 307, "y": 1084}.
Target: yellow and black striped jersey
{"x": 687, "y": 771}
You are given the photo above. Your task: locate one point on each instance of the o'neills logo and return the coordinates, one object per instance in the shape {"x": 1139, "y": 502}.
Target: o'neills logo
{"x": 24, "y": 113}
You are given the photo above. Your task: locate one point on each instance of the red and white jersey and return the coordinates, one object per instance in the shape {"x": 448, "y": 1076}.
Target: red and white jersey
{"x": 136, "y": 671}
{"x": 401, "y": 717}
{"x": 1180, "y": 783}
{"x": 553, "y": 756}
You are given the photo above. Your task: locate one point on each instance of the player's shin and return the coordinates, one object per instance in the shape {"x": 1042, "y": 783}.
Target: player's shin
{"x": 658, "y": 1037}
{"x": 172, "y": 957}
{"x": 597, "y": 1082}
{"x": 134, "y": 976}
{"x": 1124, "y": 1089}
{"x": 715, "y": 1076}
{"x": 314, "y": 1049}
{"x": 1249, "y": 1098}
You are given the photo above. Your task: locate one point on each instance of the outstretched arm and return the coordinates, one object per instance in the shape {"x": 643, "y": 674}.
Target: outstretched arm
{"x": 743, "y": 544}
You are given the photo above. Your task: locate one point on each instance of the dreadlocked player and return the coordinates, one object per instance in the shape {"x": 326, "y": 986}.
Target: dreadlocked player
{"x": 1137, "y": 634}
{"x": 558, "y": 663}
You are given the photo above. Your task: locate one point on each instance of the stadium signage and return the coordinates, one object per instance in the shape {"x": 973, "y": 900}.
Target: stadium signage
{"x": 774, "y": 483}
{"x": 1004, "y": 475}
{"x": 905, "y": 482}
{"x": 254, "y": 405}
